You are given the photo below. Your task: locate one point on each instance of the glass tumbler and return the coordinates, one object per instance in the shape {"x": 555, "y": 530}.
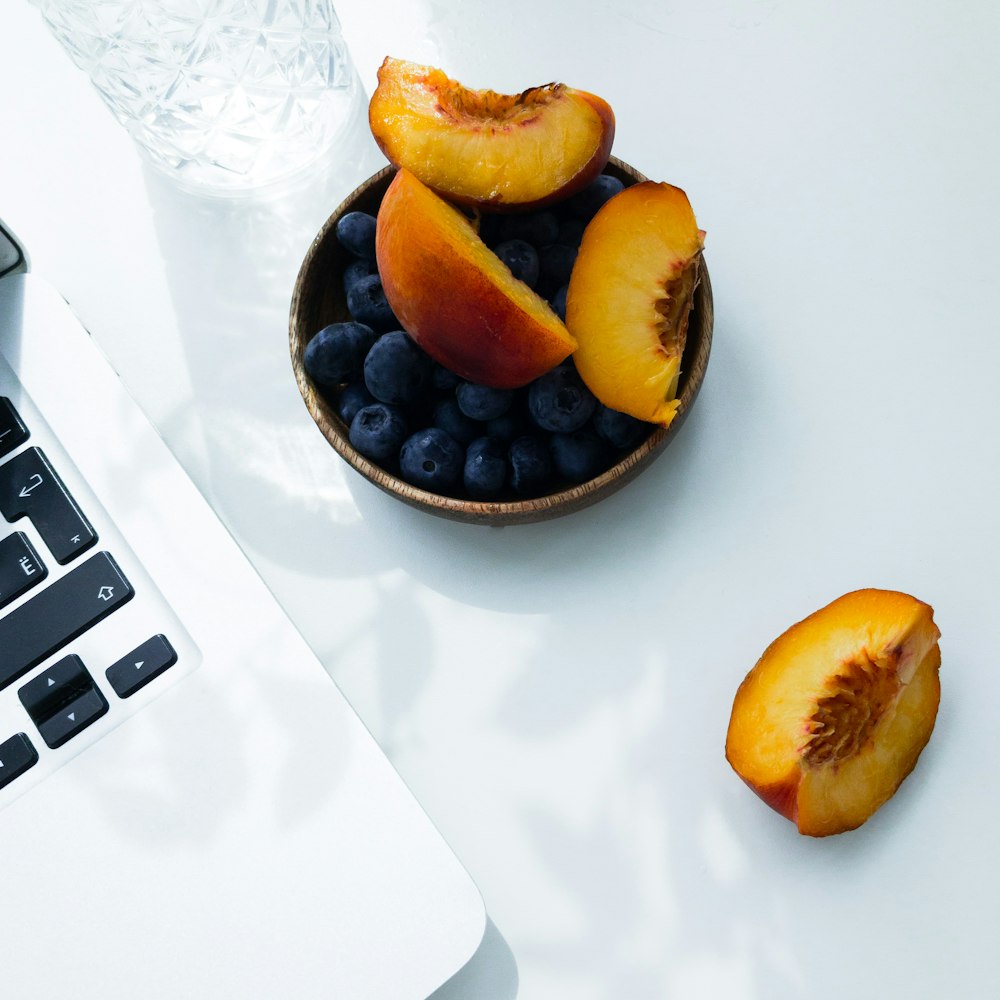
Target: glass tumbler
{"x": 224, "y": 95}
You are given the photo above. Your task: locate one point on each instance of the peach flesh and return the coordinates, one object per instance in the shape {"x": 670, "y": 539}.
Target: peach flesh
{"x": 477, "y": 147}
{"x": 836, "y": 712}
{"x": 630, "y": 298}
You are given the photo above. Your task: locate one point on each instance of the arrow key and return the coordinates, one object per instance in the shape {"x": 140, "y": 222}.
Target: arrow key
{"x": 62, "y": 700}
{"x": 54, "y": 687}
{"x": 140, "y": 666}
{"x": 73, "y": 718}
{"x": 16, "y": 756}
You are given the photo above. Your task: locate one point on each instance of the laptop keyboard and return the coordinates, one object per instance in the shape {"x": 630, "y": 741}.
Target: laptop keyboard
{"x": 30, "y": 487}
{"x": 60, "y": 582}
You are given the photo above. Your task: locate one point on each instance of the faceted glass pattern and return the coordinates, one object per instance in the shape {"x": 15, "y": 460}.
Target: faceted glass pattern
{"x": 224, "y": 94}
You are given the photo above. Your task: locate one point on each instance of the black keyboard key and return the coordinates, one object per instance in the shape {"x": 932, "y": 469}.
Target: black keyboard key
{"x": 54, "y": 687}
{"x": 59, "y": 613}
{"x": 20, "y": 567}
{"x": 16, "y": 756}
{"x": 145, "y": 662}
{"x": 72, "y": 718}
{"x": 12, "y": 429}
{"x": 62, "y": 700}
{"x": 29, "y": 487}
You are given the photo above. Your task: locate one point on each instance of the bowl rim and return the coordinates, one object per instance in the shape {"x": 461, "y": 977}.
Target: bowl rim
{"x": 491, "y": 512}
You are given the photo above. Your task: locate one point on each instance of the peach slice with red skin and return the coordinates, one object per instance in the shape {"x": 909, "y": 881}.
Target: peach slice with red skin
{"x": 836, "y": 712}
{"x": 630, "y": 298}
{"x": 478, "y": 147}
{"x": 455, "y": 297}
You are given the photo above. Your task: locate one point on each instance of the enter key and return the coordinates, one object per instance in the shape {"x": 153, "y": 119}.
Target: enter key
{"x": 29, "y": 487}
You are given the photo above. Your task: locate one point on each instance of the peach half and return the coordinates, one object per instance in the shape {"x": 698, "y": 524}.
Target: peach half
{"x": 630, "y": 297}
{"x": 478, "y": 147}
{"x": 456, "y": 298}
{"x": 835, "y": 713}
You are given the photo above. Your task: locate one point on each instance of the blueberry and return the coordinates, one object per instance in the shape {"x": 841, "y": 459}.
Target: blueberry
{"x": 538, "y": 228}
{"x": 619, "y": 429}
{"x": 559, "y": 302}
{"x": 377, "y": 431}
{"x": 450, "y": 418}
{"x": 396, "y": 370}
{"x": 491, "y": 229}
{"x": 356, "y": 233}
{"x": 432, "y": 460}
{"x": 555, "y": 263}
{"x": 357, "y": 270}
{"x": 351, "y": 399}
{"x": 559, "y": 401}
{"x": 571, "y": 232}
{"x": 337, "y": 353}
{"x": 521, "y": 258}
{"x": 530, "y": 466}
{"x": 512, "y": 424}
{"x": 444, "y": 379}
{"x": 481, "y": 402}
{"x": 367, "y": 304}
{"x": 579, "y": 455}
{"x": 584, "y": 204}
{"x": 485, "y": 469}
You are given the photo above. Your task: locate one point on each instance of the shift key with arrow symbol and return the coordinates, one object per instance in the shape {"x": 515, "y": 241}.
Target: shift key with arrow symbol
{"x": 55, "y": 616}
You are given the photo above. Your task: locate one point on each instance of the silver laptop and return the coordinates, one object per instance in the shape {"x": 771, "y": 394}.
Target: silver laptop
{"x": 188, "y": 806}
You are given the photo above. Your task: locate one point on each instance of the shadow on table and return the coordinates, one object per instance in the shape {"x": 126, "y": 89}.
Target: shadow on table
{"x": 273, "y": 478}
{"x": 491, "y": 973}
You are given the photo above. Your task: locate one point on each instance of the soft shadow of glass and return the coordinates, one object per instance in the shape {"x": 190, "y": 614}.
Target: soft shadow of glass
{"x": 491, "y": 973}
{"x": 252, "y": 448}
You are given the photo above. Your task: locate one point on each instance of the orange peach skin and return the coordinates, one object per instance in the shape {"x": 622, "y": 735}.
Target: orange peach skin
{"x": 454, "y": 296}
{"x": 773, "y": 730}
{"x": 630, "y": 298}
{"x": 477, "y": 147}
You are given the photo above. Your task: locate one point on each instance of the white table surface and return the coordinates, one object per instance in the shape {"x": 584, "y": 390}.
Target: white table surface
{"x": 557, "y": 695}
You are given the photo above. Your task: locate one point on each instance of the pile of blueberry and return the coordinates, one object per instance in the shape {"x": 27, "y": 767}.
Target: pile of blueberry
{"x": 416, "y": 419}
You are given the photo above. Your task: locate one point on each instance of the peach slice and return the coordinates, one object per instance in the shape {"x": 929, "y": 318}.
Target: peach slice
{"x": 455, "y": 297}
{"x": 630, "y": 296}
{"x": 478, "y": 147}
{"x": 835, "y": 713}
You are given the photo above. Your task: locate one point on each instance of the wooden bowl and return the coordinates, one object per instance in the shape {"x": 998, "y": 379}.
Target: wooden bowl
{"x": 318, "y": 299}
